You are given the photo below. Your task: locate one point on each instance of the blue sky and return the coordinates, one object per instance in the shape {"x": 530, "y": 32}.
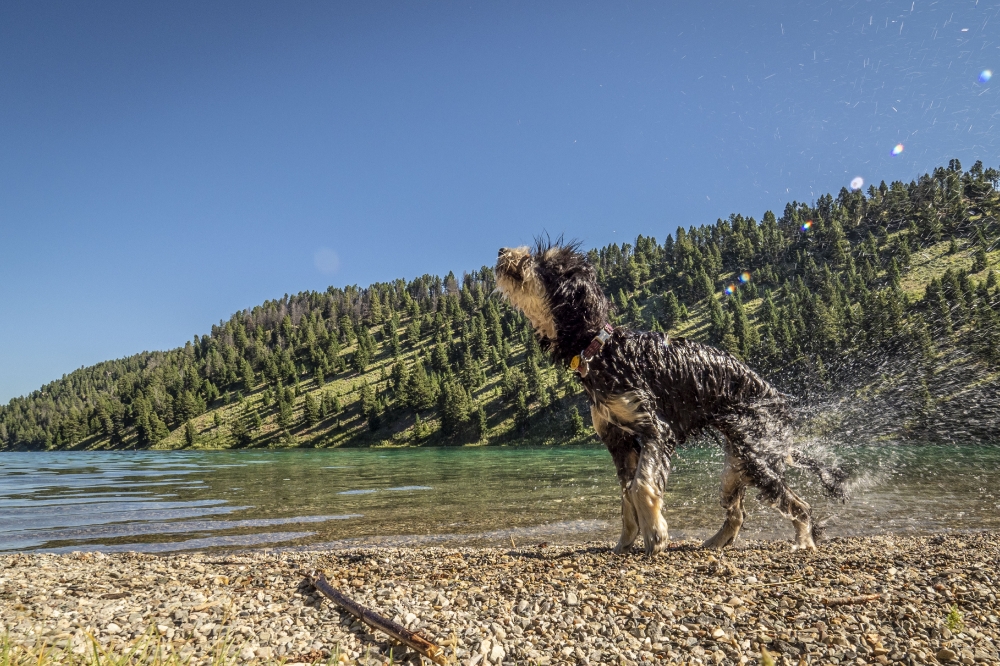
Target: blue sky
{"x": 163, "y": 165}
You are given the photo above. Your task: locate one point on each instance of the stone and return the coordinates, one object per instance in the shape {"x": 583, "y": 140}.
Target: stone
{"x": 497, "y": 653}
{"x": 945, "y": 655}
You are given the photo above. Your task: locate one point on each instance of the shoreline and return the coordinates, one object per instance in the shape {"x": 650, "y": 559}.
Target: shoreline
{"x": 561, "y": 604}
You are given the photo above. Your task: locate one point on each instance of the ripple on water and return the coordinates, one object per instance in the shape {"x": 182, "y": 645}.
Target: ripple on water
{"x": 152, "y": 501}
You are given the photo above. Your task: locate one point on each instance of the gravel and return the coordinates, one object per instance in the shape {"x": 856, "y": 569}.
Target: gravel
{"x": 937, "y": 603}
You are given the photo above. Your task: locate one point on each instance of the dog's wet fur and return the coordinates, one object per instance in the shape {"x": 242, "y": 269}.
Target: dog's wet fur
{"x": 648, "y": 394}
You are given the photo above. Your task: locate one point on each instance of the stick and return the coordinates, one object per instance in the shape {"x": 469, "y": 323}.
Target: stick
{"x": 373, "y": 619}
{"x": 850, "y": 601}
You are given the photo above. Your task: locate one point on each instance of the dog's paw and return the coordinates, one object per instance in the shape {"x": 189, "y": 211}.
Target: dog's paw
{"x": 621, "y": 548}
{"x": 655, "y": 543}
{"x": 804, "y": 542}
{"x": 719, "y": 541}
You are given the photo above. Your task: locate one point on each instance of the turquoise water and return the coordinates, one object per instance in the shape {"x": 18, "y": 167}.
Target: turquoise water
{"x": 168, "y": 501}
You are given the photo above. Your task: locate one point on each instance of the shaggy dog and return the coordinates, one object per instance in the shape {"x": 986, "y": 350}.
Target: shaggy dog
{"x": 648, "y": 394}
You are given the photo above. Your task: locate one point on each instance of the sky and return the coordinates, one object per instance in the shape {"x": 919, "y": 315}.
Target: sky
{"x": 164, "y": 165}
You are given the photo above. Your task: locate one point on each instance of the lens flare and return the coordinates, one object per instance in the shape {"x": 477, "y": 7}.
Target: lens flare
{"x": 730, "y": 289}
{"x": 744, "y": 277}
{"x": 985, "y": 75}
{"x": 807, "y": 225}
{"x": 857, "y": 183}
{"x": 897, "y": 149}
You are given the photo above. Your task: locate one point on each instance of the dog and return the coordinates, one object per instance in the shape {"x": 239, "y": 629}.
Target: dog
{"x": 648, "y": 394}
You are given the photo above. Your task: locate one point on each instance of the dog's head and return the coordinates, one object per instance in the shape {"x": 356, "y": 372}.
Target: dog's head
{"x": 555, "y": 286}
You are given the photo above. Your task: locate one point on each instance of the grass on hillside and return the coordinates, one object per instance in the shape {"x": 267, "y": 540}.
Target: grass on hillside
{"x": 399, "y": 428}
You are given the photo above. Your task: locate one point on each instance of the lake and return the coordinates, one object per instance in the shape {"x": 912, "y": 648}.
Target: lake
{"x": 170, "y": 501}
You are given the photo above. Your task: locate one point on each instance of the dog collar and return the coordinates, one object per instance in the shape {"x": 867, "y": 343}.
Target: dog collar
{"x": 579, "y": 362}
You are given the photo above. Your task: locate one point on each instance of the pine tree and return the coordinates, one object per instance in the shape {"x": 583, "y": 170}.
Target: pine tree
{"x": 671, "y": 313}
{"x": 893, "y": 273}
{"x": 576, "y": 423}
{"x": 310, "y": 410}
{"x": 419, "y": 392}
{"x": 190, "y": 433}
{"x": 284, "y": 418}
{"x": 360, "y": 359}
{"x": 239, "y": 432}
{"x": 633, "y": 314}
{"x": 453, "y": 405}
{"x": 979, "y": 261}
{"x": 247, "y": 375}
{"x": 479, "y": 423}
{"x": 521, "y": 413}
{"x": 747, "y": 339}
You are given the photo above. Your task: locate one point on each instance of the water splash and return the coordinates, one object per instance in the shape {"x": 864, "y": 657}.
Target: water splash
{"x": 897, "y": 149}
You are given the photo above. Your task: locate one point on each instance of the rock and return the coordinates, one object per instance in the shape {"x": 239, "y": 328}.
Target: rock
{"x": 497, "y": 653}
{"x": 571, "y": 599}
{"x": 945, "y": 655}
{"x": 112, "y": 628}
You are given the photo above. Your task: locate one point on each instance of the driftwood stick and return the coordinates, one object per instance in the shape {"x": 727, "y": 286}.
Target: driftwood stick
{"x": 373, "y": 619}
{"x": 850, "y": 601}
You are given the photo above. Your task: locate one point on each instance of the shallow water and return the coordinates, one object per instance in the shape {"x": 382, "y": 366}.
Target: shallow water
{"x": 166, "y": 501}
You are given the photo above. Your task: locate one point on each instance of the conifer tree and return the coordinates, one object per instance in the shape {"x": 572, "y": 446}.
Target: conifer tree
{"x": 453, "y": 406}
{"x": 480, "y": 423}
{"x": 576, "y": 424}
{"x": 310, "y": 410}
{"x": 521, "y": 413}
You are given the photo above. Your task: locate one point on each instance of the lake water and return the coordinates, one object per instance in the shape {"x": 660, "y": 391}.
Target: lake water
{"x": 169, "y": 501}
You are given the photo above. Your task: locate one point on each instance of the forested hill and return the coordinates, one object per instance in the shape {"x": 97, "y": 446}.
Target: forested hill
{"x": 881, "y": 307}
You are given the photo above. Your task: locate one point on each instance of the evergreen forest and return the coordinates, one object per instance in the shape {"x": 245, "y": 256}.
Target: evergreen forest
{"x": 877, "y": 310}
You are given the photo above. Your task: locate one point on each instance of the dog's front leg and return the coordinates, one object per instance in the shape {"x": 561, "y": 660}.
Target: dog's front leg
{"x": 630, "y": 524}
{"x": 624, "y": 449}
{"x": 646, "y": 494}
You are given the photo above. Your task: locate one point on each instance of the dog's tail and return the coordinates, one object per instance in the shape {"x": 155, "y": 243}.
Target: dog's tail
{"x": 833, "y": 479}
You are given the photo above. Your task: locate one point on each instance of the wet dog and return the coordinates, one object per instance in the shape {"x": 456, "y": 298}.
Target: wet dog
{"x": 648, "y": 394}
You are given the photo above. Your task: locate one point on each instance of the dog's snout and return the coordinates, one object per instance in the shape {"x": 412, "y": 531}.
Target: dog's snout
{"x": 502, "y": 252}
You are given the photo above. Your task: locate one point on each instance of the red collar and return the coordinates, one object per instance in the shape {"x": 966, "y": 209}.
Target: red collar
{"x": 579, "y": 363}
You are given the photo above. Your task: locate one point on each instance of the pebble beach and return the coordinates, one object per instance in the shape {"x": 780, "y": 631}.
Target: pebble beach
{"x": 883, "y": 600}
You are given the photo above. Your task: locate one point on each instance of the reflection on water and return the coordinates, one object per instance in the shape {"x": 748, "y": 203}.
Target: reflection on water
{"x": 155, "y": 501}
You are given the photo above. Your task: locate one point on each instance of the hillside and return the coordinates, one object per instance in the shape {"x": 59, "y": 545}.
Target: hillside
{"x": 879, "y": 309}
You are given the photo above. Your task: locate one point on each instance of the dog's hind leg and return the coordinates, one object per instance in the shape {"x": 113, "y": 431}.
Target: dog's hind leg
{"x": 734, "y": 484}
{"x": 794, "y": 507}
{"x": 765, "y": 470}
